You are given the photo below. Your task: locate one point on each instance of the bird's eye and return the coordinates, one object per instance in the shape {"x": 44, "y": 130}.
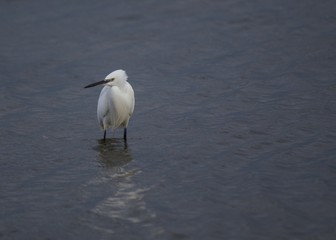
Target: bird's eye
{"x": 112, "y": 79}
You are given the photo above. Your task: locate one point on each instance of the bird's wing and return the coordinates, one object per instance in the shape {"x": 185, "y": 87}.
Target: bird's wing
{"x": 132, "y": 99}
{"x": 104, "y": 107}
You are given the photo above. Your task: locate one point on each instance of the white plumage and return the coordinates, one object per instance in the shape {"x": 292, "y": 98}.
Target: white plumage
{"x": 116, "y": 102}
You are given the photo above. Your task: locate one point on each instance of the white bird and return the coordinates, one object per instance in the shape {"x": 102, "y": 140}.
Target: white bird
{"x": 116, "y": 102}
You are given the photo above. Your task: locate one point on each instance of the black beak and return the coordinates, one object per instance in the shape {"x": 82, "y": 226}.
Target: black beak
{"x": 95, "y": 84}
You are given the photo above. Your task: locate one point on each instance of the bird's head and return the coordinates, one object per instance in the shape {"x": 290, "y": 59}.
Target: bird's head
{"x": 115, "y": 78}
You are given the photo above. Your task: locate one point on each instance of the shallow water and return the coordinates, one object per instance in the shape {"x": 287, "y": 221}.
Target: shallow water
{"x": 233, "y": 135}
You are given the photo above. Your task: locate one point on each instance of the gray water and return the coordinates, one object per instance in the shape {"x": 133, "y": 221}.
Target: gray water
{"x": 233, "y": 134}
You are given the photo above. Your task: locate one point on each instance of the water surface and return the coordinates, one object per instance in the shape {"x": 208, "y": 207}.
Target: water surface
{"x": 233, "y": 134}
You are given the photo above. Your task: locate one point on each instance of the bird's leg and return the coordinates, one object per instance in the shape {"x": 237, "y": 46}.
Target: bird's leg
{"x": 125, "y": 134}
{"x": 104, "y": 135}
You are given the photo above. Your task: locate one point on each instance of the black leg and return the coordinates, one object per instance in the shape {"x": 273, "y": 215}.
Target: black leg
{"x": 125, "y": 134}
{"x": 104, "y": 135}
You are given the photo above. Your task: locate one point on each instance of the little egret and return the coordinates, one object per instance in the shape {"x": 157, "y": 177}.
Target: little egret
{"x": 116, "y": 102}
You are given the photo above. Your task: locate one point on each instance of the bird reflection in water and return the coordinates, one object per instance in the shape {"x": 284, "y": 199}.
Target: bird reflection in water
{"x": 113, "y": 153}
{"x": 126, "y": 203}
